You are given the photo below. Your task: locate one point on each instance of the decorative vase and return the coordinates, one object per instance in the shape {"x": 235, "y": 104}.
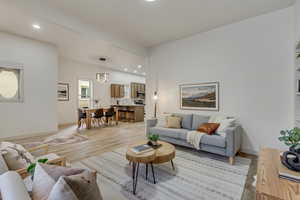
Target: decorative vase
{"x": 293, "y": 149}
{"x": 153, "y": 143}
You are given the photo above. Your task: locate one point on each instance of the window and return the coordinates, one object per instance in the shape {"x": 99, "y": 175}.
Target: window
{"x": 85, "y": 93}
{"x": 11, "y": 84}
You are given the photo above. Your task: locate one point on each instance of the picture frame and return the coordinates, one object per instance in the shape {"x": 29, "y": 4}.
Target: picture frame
{"x": 63, "y": 92}
{"x": 200, "y": 96}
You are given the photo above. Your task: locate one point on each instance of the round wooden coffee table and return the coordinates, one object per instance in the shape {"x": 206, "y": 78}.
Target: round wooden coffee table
{"x": 165, "y": 153}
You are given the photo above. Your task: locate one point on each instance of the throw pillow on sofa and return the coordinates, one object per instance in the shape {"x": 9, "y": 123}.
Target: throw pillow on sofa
{"x": 162, "y": 120}
{"x": 173, "y": 122}
{"x": 224, "y": 124}
{"x": 216, "y": 118}
{"x": 15, "y": 155}
{"x": 208, "y": 128}
{"x": 76, "y": 187}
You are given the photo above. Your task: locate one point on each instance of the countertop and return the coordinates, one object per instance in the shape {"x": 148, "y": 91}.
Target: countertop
{"x": 132, "y": 105}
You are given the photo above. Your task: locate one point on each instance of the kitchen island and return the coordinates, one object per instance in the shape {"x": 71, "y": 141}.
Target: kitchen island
{"x": 130, "y": 113}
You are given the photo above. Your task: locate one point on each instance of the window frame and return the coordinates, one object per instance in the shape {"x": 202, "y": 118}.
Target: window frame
{"x": 19, "y": 67}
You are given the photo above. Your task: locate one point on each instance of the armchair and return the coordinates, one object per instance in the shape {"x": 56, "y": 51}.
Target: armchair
{"x": 42, "y": 150}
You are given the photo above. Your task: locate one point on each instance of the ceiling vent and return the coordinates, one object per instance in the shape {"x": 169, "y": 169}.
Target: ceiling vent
{"x": 103, "y": 59}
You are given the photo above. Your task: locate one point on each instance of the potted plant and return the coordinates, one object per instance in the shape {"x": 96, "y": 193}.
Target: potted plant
{"x": 31, "y": 167}
{"x": 153, "y": 138}
{"x": 291, "y": 138}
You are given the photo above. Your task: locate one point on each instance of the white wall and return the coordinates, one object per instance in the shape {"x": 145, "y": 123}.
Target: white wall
{"x": 71, "y": 71}
{"x": 254, "y": 62}
{"x": 37, "y": 114}
{"x": 297, "y": 73}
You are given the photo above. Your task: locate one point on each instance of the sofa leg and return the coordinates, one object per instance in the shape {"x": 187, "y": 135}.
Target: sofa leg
{"x": 231, "y": 160}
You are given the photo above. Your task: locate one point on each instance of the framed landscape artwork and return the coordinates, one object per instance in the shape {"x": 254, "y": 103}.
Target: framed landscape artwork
{"x": 203, "y": 96}
{"x": 63, "y": 92}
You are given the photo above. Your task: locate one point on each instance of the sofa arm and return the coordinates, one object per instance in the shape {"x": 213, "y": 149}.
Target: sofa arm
{"x": 233, "y": 140}
{"x": 12, "y": 187}
{"x": 150, "y": 123}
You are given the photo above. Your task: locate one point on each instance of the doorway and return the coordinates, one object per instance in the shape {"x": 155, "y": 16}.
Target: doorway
{"x": 85, "y": 94}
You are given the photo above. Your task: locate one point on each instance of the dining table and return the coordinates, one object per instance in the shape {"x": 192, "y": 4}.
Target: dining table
{"x": 90, "y": 111}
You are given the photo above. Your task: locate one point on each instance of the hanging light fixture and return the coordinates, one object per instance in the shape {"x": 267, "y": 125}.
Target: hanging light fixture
{"x": 102, "y": 77}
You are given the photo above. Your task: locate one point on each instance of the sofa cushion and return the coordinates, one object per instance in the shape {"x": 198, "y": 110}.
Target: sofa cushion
{"x": 198, "y": 120}
{"x": 173, "y": 122}
{"x": 169, "y": 132}
{"x": 186, "y": 121}
{"x": 214, "y": 140}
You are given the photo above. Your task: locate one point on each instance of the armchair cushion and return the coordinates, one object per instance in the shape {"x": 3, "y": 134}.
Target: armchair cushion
{"x": 45, "y": 177}
{"x": 3, "y": 165}
{"x": 12, "y": 187}
{"x": 15, "y": 155}
{"x": 76, "y": 187}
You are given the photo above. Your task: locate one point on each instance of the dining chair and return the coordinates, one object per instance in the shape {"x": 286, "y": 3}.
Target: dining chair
{"x": 81, "y": 118}
{"x": 98, "y": 117}
{"x": 109, "y": 115}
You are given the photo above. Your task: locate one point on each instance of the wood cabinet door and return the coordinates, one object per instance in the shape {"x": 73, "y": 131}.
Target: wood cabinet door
{"x": 132, "y": 88}
{"x": 122, "y": 91}
{"x": 118, "y": 91}
{"x": 112, "y": 91}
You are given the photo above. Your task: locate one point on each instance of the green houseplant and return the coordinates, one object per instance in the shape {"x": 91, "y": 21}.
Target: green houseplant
{"x": 31, "y": 167}
{"x": 291, "y": 138}
{"x": 153, "y": 138}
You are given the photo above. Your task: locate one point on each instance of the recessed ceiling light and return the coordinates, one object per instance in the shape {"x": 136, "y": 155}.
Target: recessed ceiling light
{"x": 135, "y": 71}
{"x": 150, "y": 0}
{"x": 36, "y": 26}
{"x": 125, "y": 69}
{"x": 139, "y": 66}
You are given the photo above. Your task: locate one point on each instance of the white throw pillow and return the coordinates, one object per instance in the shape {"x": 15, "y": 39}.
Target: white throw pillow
{"x": 224, "y": 124}
{"x": 12, "y": 157}
{"x": 162, "y": 120}
{"x": 216, "y": 118}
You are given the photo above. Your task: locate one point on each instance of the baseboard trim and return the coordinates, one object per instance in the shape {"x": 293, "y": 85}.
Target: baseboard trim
{"x": 250, "y": 151}
{"x": 66, "y": 124}
{"x": 21, "y": 137}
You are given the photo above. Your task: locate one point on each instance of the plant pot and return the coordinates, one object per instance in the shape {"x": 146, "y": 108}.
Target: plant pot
{"x": 153, "y": 143}
{"x": 293, "y": 149}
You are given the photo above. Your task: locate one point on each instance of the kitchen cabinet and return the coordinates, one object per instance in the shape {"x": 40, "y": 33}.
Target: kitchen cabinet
{"x": 138, "y": 90}
{"x": 117, "y": 90}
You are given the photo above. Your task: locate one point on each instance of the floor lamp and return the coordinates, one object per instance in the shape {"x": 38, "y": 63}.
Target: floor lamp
{"x": 155, "y": 98}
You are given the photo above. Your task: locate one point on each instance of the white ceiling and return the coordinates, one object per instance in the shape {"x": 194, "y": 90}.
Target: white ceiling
{"x": 122, "y": 30}
{"x": 151, "y": 23}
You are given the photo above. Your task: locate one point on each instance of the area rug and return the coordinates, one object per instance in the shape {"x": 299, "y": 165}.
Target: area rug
{"x": 197, "y": 176}
{"x": 67, "y": 136}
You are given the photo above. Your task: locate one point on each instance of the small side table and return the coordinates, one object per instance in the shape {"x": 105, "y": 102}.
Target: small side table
{"x": 165, "y": 153}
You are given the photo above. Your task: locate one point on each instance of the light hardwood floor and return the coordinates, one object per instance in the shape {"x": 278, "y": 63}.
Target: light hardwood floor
{"x": 106, "y": 139}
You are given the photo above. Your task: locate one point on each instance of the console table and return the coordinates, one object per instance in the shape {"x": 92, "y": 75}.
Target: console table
{"x": 269, "y": 186}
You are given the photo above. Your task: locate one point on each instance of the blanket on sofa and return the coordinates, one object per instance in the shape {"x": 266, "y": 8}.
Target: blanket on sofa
{"x": 194, "y": 138}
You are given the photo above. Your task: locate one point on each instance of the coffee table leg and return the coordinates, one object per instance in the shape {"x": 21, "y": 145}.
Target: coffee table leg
{"x": 135, "y": 176}
{"x": 172, "y": 165}
{"x": 146, "y": 171}
{"x": 153, "y": 173}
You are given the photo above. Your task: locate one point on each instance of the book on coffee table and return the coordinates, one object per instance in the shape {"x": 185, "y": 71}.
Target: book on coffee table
{"x": 142, "y": 149}
{"x": 288, "y": 174}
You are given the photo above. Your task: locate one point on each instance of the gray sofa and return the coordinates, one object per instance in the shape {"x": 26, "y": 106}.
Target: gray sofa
{"x": 226, "y": 145}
